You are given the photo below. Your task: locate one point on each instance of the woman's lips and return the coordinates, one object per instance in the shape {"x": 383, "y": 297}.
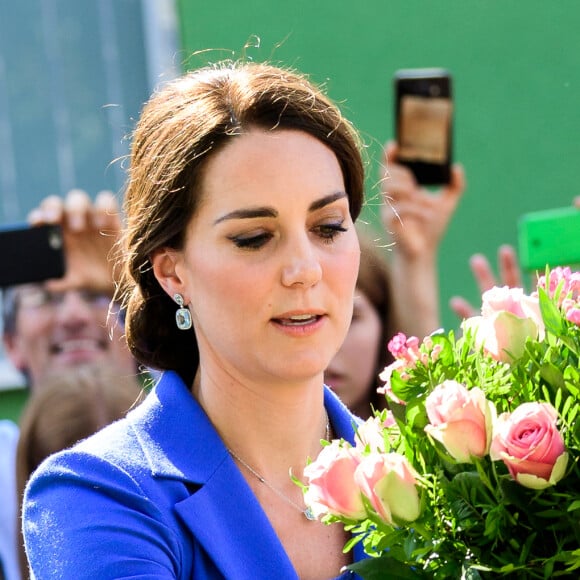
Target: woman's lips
{"x": 300, "y": 324}
{"x": 300, "y": 320}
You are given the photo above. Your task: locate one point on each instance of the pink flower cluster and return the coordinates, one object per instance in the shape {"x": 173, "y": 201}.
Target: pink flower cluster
{"x": 407, "y": 353}
{"x": 569, "y": 297}
{"x": 526, "y": 440}
{"x": 342, "y": 475}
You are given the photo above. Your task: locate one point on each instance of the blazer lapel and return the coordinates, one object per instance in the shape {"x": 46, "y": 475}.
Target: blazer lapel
{"x": 220, "y": 509}
{"x": 229, "y": 523}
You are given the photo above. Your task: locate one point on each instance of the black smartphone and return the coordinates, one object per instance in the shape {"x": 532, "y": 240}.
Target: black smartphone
{"x": 31, "y": 254}
{"x": 424, "y": 123}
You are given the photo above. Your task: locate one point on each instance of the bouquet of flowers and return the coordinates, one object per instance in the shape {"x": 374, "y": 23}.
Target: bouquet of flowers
{"x": 474, "y": 470}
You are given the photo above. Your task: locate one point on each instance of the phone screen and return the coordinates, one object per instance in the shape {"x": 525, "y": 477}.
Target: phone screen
{"x": 424, "y": 129}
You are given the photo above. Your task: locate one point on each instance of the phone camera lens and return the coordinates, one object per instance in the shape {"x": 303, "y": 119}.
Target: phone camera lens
{"x": 55, "y": 240}
{"x": 434, "y": 90}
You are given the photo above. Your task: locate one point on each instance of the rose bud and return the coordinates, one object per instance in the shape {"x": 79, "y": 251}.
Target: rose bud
{"x": 388, "y": 481}
{"x": 508, "y": 318}
{"x": 461, "y": 419}
{"x": 331, "y": 486}
{"x": 530, "y": 445}
{"x": 371, "y": 433}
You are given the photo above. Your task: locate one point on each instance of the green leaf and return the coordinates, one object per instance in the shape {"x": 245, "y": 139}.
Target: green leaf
{"x": 552, "y": 375}
{"x": 385, "y": 567}
{"x": 552, "y": 317}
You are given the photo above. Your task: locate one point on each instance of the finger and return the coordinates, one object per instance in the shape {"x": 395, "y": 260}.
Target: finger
{"x": 106, "y": 212}
{"x": 409, "y": 210}
{"x": 393, "y": 175}
{"x": 390, "y": 152}
{"x": 509, "y": 267}
{"x": 50, "y": 211}
{"x": 390, "y": 216}
{"x": 35, "y": 217}
{"x": 457, "y": 184}
{"x": 400, "y": 183}
{"x": 78, "y": 207}
{"x": 482, "y": 272}
{"x": 576, "y": 201}
{"x": 462, "y": 308}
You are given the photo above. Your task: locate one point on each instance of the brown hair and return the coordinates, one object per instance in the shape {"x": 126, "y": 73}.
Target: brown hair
{"x": 180, "y": 129}
{"x": 65, "y": 408}
{"x": 374, "y": 280}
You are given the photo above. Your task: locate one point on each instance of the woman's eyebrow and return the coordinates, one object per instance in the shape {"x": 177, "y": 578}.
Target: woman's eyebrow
{"x": 326, "y": 200}
{"x": 251, "y": 212}
{"x": 270, "y": 212}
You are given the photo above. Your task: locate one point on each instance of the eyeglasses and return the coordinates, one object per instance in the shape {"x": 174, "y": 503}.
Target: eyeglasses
{"x": 38, "y": 297}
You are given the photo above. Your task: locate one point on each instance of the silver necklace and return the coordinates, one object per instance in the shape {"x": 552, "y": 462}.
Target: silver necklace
{"x": 307, "y": 511}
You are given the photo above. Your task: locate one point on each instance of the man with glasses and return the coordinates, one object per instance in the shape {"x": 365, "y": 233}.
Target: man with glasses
{"x": 62, "y": 323}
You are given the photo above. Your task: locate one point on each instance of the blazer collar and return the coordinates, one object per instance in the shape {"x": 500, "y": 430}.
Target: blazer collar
{"x": 223, "y": 514}
{"x": 180, "y": 441}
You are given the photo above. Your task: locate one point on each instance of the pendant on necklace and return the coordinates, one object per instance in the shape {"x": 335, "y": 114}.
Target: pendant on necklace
{"x": 309, "y": 514}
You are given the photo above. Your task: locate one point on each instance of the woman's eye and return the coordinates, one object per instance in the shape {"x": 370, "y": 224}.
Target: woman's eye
{"x": 251, "y": 242}
{"x": 329, "y": 231}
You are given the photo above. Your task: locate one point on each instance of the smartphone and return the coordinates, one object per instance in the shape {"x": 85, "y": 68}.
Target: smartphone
{"x": 424, "y": 123}
{"x": 549, "y": 238}
{"x": 31, "y": 254}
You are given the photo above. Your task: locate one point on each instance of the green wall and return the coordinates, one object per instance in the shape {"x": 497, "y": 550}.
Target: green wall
{"x": 516, "y": 65}
{"x": 12, "y": 402}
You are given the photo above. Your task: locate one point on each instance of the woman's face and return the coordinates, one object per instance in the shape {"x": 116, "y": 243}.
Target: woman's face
{"x": 352, "y": 372}
{"x": 271, "y": 258}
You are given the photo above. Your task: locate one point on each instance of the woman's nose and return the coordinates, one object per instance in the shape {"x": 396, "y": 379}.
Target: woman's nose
{"x": 303, "y": 266}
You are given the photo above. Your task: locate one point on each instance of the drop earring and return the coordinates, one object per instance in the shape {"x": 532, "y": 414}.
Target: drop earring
{"x": 183, "y": 315}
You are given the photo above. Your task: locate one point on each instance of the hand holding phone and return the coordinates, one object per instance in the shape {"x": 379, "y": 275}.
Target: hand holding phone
{"x": 423, "y": 123}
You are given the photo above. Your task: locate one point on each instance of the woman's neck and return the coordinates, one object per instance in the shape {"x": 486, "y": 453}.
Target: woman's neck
{"x": 258, "y": 420}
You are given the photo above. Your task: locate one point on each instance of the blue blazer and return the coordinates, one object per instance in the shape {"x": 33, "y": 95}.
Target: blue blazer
{"x": 155, "y": 495}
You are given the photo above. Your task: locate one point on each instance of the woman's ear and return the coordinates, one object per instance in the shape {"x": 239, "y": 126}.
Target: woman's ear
{"x": 166, "y": 267}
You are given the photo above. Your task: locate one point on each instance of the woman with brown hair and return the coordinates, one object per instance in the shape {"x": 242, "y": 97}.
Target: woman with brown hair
{"x": 240, "y": 261}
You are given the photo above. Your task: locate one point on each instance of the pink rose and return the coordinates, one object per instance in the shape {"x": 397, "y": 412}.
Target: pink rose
{"x": 508, "y": 318}
{"x": 388, "y": 481}
{"x": 573, "y": 314}
{"x": 530, "y": 445}
{"x": 461, "y": 419}
{"x": 331, "y": 486}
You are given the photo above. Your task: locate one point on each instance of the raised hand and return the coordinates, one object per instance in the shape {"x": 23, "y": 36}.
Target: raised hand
{"x": 510, "y": 275}
{"x": 416, "y": 219}
{"x": 90, "y": 231}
